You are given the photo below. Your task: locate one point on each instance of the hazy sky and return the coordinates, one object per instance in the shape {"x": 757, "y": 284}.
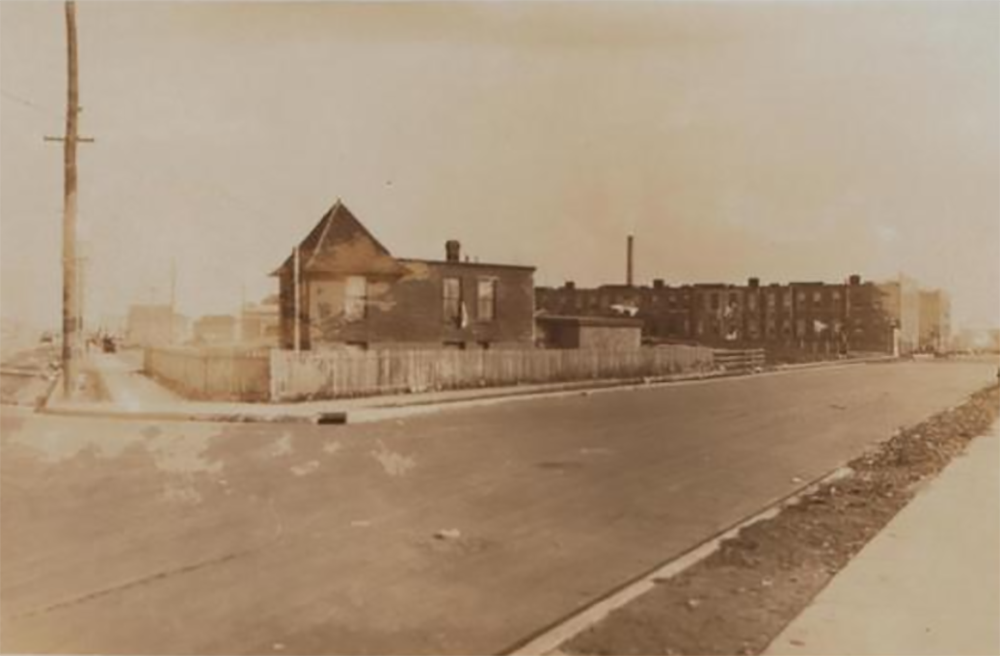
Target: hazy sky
{"x": 789, "y": 141}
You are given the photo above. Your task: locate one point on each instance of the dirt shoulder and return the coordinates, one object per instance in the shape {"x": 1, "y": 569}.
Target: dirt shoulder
{"x": 25, "y": 376}
{"x": 739, "y": 598}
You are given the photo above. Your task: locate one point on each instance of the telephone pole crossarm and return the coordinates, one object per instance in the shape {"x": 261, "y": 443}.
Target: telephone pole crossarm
{"x": 76, "y": 139}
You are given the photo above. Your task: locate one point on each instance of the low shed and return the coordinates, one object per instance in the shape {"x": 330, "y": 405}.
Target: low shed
{"x": 582, "y": 332}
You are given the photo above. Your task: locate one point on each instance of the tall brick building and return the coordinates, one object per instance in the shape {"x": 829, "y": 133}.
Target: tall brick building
{"x": 354, "y": 294}
{"x": 935, "y": 321}
{"x": 806, "y": 316}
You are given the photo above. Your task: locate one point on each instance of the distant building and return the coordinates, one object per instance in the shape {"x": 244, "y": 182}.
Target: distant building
{"x": 155, "y": 325}
{"x": 901, "y": 302}
{"x": 805, "y": 316}
{"x": 112, "y": 324}
{"x": 260, "y": 323}
{"x": 215, "y": 329}
{"x": 354, "y": 294}
{"x": 582, "y": 332}
{"x": 935, "y": 321}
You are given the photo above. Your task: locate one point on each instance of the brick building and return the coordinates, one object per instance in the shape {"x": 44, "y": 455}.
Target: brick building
{"x": 805, "y": 316}
{"x": 353, "y": 293}
{"x": 935, "y": 321}
{"x": 901, "y": 302}
{"x": 583, "y": 332}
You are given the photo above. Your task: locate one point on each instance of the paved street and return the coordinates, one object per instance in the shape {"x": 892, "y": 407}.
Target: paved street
{"x": 181, "y": 538}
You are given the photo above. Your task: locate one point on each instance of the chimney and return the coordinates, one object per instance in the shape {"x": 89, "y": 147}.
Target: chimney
{"x": 628, "y": 272}
{"x": 453, "y": 250}
{"x": 855, "y": 279}
{"x": 657, "y": 283}
{"x": 753, "y": 282}
{"x": 570, "y": 284}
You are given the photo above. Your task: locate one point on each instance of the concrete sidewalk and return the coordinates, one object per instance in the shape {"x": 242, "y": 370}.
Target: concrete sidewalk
{"x": 134, "y": 395}
{"x": 929, "y": 583}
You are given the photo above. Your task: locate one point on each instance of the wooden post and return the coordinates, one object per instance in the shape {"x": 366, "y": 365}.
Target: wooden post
{"x": 70, "y": 333}
{"x": 296, "y": 294}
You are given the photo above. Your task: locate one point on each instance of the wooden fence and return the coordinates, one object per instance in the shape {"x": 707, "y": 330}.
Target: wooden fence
{"x": 342, "y": 374}
{"x": 218, "y": 374}
{"x": 739, "y": 360}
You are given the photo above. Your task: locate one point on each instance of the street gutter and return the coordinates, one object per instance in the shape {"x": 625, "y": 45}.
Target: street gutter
{"x": 383, "y": 409}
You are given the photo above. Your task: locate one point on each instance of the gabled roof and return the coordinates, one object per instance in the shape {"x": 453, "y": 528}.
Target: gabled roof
{"x": 339, "y": 243}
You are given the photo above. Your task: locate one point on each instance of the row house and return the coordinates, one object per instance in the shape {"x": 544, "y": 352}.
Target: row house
{"x": 805, "y": 315}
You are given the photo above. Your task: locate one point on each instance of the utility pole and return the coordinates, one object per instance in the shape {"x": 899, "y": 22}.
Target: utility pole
{"x": 296, "y": 294}
{"x": 173, "y": 298}
{"x": 70, "y": 342}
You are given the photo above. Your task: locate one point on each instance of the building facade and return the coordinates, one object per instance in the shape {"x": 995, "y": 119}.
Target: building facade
{"x": 155, "y": 325}
{"x": 806, "y": 316}
{"x": 260, "y": 323}
{"x": 215, "y": 329}
{"x": 935, "y": 321}
{"x": 353, "y": 294}
{"x": 583, "y": 332}
{"x": 901, "y": 301}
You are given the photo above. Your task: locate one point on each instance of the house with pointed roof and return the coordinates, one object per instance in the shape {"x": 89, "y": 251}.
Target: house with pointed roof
{"x": 352, "y": 293}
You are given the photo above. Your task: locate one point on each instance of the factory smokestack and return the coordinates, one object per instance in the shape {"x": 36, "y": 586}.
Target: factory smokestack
{"x": 628, "y": 265}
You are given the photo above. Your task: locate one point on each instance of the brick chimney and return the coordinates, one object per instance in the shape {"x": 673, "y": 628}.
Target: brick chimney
{"x": 453, "y": 250}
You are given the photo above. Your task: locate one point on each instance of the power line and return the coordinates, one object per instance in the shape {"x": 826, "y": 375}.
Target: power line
{"x": 18, "y": 99}
{"x": 30, "y": 104}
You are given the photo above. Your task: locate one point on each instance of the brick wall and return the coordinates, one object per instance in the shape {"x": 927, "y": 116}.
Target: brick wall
{"x": 815, "y": 317}
{"x": 410, "y": 309}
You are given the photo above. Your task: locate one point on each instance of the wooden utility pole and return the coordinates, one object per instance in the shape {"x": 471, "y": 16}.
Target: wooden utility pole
{"x": 70, "y": 342}
{"x": 173, "y": 299}
{"x": 296, "y": 294}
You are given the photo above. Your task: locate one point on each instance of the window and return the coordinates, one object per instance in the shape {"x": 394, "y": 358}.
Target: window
{"x": 355, "y": 298}
{"x": 487, "y": 299}
{"x": 771, "y": 300}
{"x": 715, "y": 301}
{"x": 752, "y": 302}
{"x": 452, "y": 298}
{"x": 817, "y": 298}
{"x": 800, "y": 328}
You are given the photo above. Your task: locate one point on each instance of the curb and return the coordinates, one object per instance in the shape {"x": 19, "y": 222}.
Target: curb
{"x": 210, "y": 417}
{"x": 342, "y": 416}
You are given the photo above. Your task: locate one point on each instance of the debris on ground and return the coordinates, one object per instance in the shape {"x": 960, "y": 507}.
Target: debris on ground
{"x": 740, "y": 597}
{"x": 448, "y": 534}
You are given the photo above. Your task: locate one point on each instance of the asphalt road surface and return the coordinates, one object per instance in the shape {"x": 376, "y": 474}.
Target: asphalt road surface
{"x": 183, "y": 538}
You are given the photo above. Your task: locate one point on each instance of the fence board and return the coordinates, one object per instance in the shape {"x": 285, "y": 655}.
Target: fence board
{"x": 333, "y": 374}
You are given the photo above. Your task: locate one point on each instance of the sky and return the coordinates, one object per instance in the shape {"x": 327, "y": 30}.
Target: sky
{"x": 787, "y": 141}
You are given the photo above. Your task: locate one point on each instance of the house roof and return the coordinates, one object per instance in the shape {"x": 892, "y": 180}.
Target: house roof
{"x": 467, "y": 264}
{"x": 340, "y": 243}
